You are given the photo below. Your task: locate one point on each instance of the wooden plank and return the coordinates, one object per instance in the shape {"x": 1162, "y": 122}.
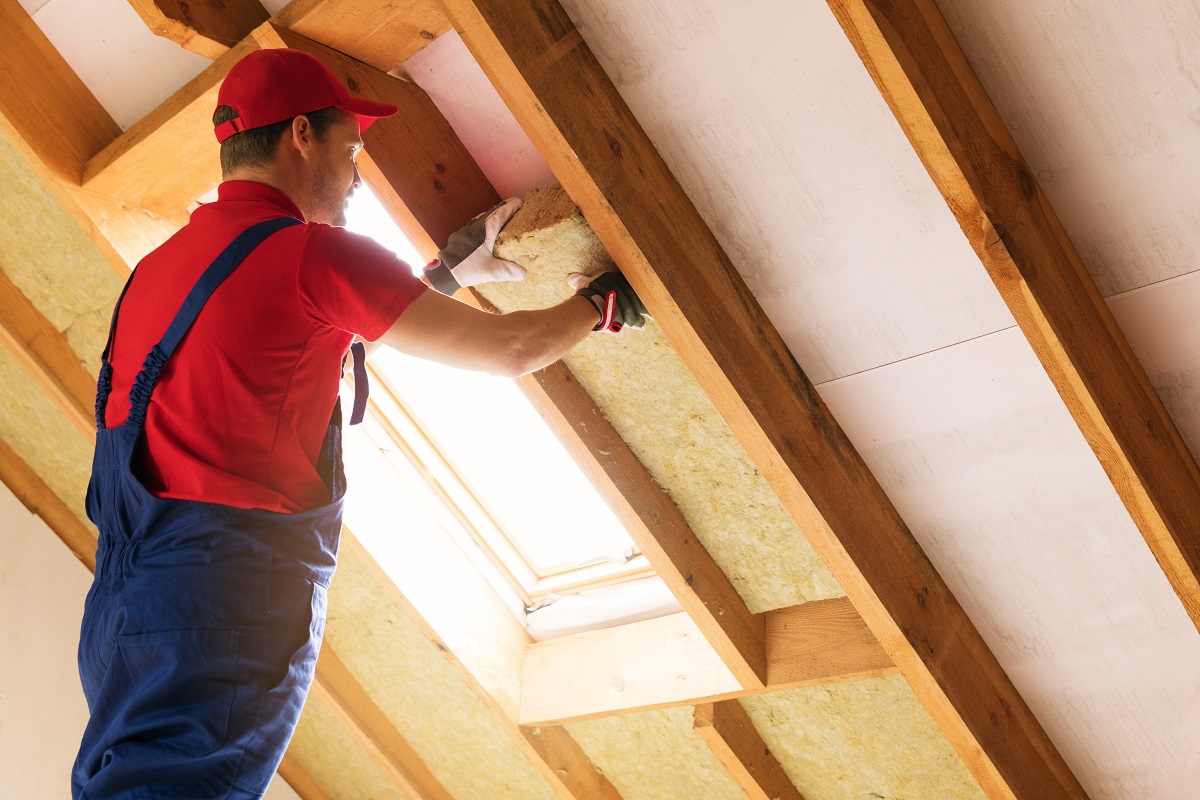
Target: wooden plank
{"x": 206, "y": 27}
{"x": 667, "y": 662}
{"x": 426, "y": 165}
{"x": 46, "y": 355}
{"x": 975, "y": 163}
{"x": 382, "y": 35}
{"x": 571, "y": 767}
{"x": 41, "y": 500}
{"x": 560, "y": 94}
{"x": 728, "y": 731}
{"x": 64, "y": 127}
{"x": 300, "y": 780}
{"x": 338, "y": 689}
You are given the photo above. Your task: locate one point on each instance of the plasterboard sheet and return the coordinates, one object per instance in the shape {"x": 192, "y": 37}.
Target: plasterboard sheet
{"x": 1103, "y": 99}
{"x": 866, "y": 739}
{"x": 653, "y": 401}
{"x": 452, "y": 78}
{"x": 997, "y": 484}
{"x": 129, "y": 69}
{"x": 655, "y": 755}
{"x": 51, "y": 261}
{"x": 425, "y": 698}
{"x": 773, "y": 127}
{"x": 334, "y": 759}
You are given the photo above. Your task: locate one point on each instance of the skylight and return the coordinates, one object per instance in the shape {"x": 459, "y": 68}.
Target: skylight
{"x": 490, "y": 459}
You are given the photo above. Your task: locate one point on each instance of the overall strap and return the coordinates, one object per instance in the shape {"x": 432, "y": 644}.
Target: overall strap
{"x": 214, "y": 275}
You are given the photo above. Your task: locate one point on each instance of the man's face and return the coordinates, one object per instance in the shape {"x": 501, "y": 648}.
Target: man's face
{"x": 335, "y": 175}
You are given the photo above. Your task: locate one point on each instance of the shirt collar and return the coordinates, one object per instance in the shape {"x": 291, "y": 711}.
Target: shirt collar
{"x": 260, "y": 192}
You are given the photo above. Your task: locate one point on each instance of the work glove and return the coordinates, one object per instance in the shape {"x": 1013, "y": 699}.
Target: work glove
{"x": 467, "y": 258}
{"x": 618, "y": 305}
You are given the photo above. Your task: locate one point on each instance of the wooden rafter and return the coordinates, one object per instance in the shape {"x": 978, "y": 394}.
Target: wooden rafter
{"x": 728, "y": 731}
{"x": 301, "y": 782}
{"x": 41, "y": 500}
{"x": 569, "y": 763}
{"x": 665, "y": 662}
{"x": 560, "y": 94}
{"x": 206, "y": 27}
{"x": 383, "y": 35}
{"x": 975, "y": 163}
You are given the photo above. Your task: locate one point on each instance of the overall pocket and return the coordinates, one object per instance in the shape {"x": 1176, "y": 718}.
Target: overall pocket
{"x": 182, "y": 686}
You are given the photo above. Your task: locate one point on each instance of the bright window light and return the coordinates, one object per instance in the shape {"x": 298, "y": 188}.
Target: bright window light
{"x": 499, "y": 445}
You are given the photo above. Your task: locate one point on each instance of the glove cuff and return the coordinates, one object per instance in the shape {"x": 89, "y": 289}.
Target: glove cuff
{"x": 441, "y": 277}
{"x": 606, "y": 304}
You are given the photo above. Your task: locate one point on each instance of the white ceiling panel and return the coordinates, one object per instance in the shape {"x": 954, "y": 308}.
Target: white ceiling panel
{"x": 991, "y": 474}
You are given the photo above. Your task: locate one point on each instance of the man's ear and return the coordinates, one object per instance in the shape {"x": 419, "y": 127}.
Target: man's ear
{"x": 300, "y": 136}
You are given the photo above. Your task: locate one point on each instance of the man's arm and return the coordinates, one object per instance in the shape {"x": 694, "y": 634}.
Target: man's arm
{"x": 440, "y": 329}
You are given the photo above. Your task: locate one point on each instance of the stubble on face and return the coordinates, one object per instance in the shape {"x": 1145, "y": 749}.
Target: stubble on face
{"x": 329, "y": 196}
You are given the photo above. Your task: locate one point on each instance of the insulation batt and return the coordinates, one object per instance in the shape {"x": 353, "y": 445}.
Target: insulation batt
{"x": 643, "y": 388}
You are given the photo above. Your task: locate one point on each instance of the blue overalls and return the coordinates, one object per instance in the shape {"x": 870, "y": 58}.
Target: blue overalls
{"x": 201, "y": 630}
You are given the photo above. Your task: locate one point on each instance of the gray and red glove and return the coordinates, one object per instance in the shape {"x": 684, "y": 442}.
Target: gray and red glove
{"x": 467, "y": 258}
{"x": 615, "y": 300}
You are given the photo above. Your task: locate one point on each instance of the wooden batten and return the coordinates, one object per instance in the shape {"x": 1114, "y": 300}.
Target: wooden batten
{"x": 975, "y": 163}
{"x": 301, "y": 782}
{"x": 41, "y": 500}
{"x": 382, "y": 35}
{"x": 728, "y": 731}
{"x": 669, "y": 662}
{"x": 562, "y": 97}
{"x": 206, "y": 27}
{"x": 574, "y": 774}
{"x": 337, "y": 687}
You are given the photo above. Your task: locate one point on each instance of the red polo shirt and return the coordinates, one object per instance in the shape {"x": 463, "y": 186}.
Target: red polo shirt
{"x": 241, "y": 409}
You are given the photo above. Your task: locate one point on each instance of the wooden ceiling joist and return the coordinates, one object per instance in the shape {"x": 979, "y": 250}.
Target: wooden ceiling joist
{"x": 665, "y": 662}
{"x": 206, "y": 27}
{"x": 40, "y": 499}
{"x": 569, "y": 763}
{"x": 383, "y": 35}
{"x": 728, "y": 731}
{"x": 973, "y": 159}
{"x": 301, "y": 782}
{"x": 563, "y": 99}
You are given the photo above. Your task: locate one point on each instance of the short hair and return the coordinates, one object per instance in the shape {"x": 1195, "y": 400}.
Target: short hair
{"x": 255, "y": 147}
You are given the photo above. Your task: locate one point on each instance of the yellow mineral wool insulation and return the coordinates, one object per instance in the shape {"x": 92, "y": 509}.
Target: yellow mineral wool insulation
{"x": 644, "y": 389}
{"x": 335, "y": 760}
{"x": 421, "y": 693}
{"x": 655, "y": 755}
{"x": 857, "y": 740}
{"x": 34, "y": 427}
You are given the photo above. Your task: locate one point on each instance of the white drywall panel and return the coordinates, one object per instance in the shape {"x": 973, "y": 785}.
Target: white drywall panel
{"x": 129, "y": 69}
{"x": 997, "y": 484}
{"x": 42, "y": 710}
{"x": 448, "y": 72}
{"x": 774, "y": 129}
{"x": 1103, "y": 99}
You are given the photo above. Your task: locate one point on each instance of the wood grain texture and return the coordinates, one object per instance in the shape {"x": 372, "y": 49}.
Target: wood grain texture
{"x": 727, "y": 730}
{"x": 41, "y": 500}
{"x": 382, "y": 35}
{"x": 573, "y": 771}
{"x": 562, "y": 97}
{"x": 301, "y": 782}
{"x": 976, "y": 165}
{"x": 667, "y": 662}
{"x": 370, "y": 727}
{"x": 46, "y": 102}
{"x": 206, "y": 27}
{"x": 46, "y": 355}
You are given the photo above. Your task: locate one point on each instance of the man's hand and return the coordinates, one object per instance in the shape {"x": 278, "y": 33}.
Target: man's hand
{"x": 467, "y": 259}
{"x": 613, "y": 297}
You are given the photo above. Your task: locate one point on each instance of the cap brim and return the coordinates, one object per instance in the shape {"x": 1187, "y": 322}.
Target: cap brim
{"x": 367, "y": 111}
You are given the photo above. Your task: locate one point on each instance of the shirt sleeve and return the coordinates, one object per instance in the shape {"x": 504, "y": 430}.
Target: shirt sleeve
{"x": 351, "y": 282}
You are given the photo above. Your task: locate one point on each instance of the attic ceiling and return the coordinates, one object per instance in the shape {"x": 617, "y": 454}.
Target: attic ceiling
{"x": 943, "y": 358}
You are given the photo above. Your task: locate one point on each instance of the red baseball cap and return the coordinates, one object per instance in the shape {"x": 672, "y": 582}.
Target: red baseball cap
{"x": 269, "y": 86}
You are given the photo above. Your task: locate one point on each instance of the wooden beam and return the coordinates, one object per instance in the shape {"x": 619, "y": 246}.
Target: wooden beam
{"x": 975, "y": 163}
{"x": 206, "y": 27}
{"x": 300, "y": 780}
{"x": 570, "y": 765}
{"x": 41, "y": 500}
{"x": 667, "y": 662}
{"x": 383, "y": 35}
{"x": 338, "y": 689}
{"x": 727, "y": 730}
{"x": 47, "y": 356}
{"x": 45, "y": 101}
{"x": 560, "y": 94}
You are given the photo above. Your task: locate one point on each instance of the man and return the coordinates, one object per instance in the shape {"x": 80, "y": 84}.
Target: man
{"x": 217, "y": 486}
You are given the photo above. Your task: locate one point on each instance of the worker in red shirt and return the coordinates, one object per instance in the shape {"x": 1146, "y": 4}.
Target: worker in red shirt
{"x": 217, "y": 483}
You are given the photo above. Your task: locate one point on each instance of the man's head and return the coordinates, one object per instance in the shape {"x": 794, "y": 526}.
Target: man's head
{"x": 283, "y": 118}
